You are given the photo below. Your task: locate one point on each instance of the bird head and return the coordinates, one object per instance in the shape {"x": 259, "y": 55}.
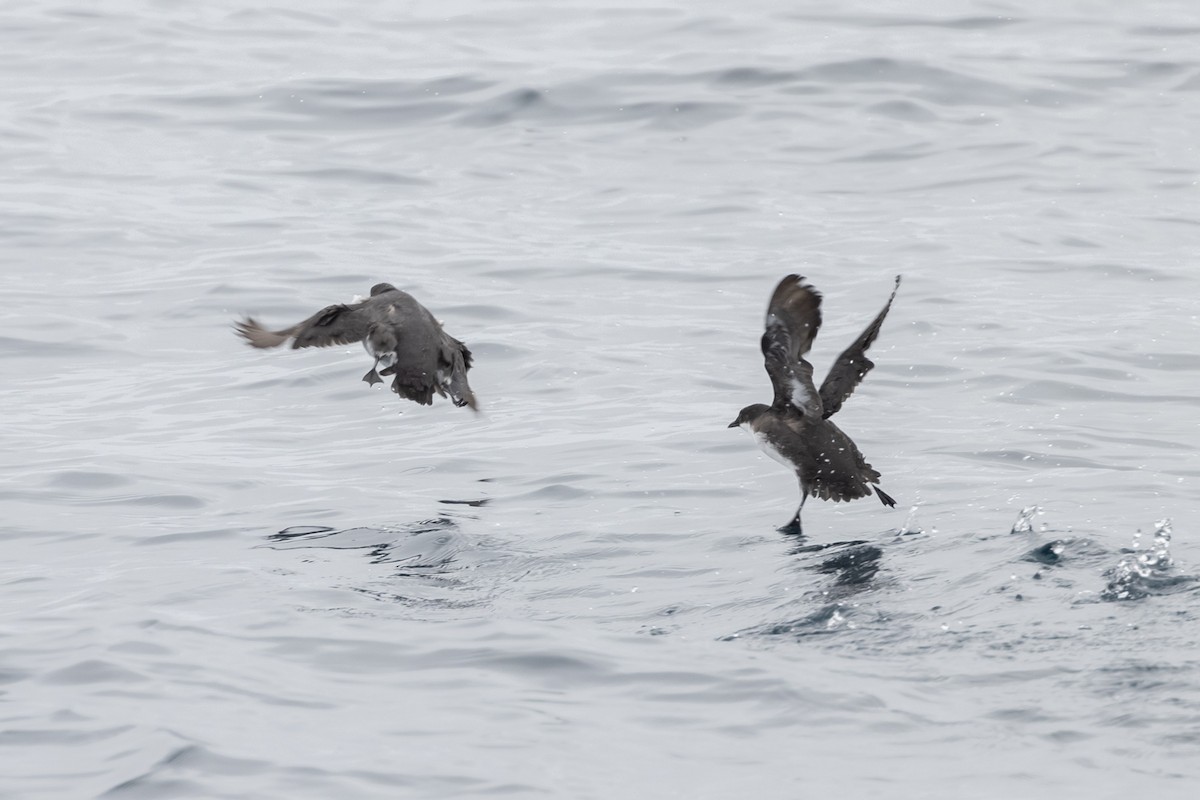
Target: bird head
{"x": 749, "y": 414}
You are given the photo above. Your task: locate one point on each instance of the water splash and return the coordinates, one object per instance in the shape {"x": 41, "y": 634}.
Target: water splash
{"x": 911, "y": 527}
{"x": 1143, "y": 572}
{"x": 1024, "y": 523}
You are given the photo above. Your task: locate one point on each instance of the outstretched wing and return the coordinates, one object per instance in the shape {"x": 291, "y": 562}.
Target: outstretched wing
{"x": 333, "y": 325}
{"x": 852, "y": 365}
{"x": 793, "y": 319}
{"x": 340, "y": 324}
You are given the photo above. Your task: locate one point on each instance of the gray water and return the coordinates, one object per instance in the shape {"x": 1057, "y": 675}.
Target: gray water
{"x": 239, "y": 574}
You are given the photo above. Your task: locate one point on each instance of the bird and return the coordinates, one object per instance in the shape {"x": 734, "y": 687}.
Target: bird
{"x": 796, "y": 429}
{"x": 406, "y": 341}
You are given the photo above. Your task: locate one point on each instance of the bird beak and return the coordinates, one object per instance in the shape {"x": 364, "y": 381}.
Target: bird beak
{"x": 733, "y": 424}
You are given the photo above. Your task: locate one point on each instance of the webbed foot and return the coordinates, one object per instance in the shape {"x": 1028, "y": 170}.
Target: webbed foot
{"x": 792, "y": 528}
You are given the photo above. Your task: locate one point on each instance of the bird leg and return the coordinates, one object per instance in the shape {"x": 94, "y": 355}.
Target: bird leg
{"x": 388, "y": 359}
{"x": 372, "y": 377}
{"x": 793, "y": 527}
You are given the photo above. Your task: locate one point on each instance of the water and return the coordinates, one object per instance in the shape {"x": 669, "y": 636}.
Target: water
{"x": 235, "y": 574}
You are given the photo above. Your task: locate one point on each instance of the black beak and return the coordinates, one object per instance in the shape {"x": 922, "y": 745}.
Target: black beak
{"x": 733, "y": 424}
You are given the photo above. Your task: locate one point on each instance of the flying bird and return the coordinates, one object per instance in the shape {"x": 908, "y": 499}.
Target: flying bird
{"x": 796, "y": 429}
{"x": 407, "y": 342}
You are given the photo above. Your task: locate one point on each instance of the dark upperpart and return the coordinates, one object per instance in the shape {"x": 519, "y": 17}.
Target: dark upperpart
{"x": 749, "y": 414}
{"x": 407, "y": 341}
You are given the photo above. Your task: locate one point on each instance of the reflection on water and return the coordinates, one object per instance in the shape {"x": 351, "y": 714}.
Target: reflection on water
{"x": 428, "y": 544}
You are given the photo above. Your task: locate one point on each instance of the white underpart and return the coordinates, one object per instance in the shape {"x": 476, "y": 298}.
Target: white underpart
{"x": 386, "y": 358}
{"x": 767, "y": 447}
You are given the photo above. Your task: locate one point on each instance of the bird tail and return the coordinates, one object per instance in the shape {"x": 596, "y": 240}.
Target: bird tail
{"x": 459, "y": 389}
{"x": 454, "y": 381}
{"x": 884, "y": 497}
{"x": 418, "y": 390}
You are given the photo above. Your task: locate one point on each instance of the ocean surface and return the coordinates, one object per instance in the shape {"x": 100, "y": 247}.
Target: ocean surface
{"x": 229, "y": 573}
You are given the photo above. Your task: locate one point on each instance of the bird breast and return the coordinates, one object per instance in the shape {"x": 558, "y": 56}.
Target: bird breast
{"x": 384, "y": 352}
{"x": 767, "y": 447}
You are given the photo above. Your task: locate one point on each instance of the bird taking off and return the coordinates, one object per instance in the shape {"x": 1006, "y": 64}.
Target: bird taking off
{"x": 795, "y": 428}
{"x": 407, "y": 342}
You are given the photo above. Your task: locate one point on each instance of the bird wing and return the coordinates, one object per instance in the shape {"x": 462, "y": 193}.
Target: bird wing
{"x": 332, "y": 325}
{"x": 852, "y": 365}
{"x": 793, "y": 319}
